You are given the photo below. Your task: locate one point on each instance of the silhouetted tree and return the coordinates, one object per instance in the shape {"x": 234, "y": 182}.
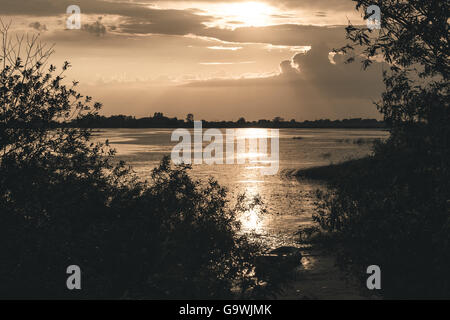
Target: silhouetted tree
{"x": 278, "y": 119}
{"x": 158, "y": 115}
{"x": 190, "y": 118}
{"x": 65, "y": 201}
{"x": 241, "y": 121}
{"x": 393, "y": 210}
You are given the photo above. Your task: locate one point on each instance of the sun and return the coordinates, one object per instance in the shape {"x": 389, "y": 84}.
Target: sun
{"x": 254, "y": 14}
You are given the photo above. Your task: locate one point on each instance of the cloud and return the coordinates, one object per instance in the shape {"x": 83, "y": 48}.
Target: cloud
{"x": 225, "y": 48}
{"x": 96, "y": 28}
{"x": 287, "y": 69}
{"x": 321, "y": 14}
{"x": 136, "y": 17}
{"x": 284, "y": 35}
{"x": 141, "y": 18}
{"x": 339, "y": 79}
{"x": 323, "y": 5}
{"x": 313, "y": 69}
{"x": 225, "y": 63}
{"x": 38, "y": 26}
{"x": 332, "y": 5}
{"x": 58, "y": 7}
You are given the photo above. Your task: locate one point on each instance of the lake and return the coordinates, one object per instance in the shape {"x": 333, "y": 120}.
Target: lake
{"x": 289, "y": 201}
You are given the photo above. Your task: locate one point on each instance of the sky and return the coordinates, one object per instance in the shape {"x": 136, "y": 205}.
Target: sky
{"x": 220, "y": 60}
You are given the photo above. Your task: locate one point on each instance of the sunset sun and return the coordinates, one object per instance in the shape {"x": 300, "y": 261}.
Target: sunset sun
{"x": 248, "y": 13}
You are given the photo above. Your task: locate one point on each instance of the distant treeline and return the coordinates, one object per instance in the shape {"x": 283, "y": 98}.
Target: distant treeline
{"x": 160, "y": 121}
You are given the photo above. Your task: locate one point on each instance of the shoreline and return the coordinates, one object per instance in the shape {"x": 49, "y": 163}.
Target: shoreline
{"x": 331, "y": 172}
{"x": 317, "y": 277}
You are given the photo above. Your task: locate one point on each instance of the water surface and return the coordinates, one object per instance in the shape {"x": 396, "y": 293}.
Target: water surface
{"x": 290, "y": 202}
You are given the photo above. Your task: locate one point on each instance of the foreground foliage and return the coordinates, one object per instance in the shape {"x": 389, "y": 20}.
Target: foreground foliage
{"x": 65, "y": 201}
{"x": 393, "y": 209}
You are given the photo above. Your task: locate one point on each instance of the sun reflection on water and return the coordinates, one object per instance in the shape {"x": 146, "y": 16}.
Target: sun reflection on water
{"x": 252, "y": 220}
{"x": 254, "y": 157}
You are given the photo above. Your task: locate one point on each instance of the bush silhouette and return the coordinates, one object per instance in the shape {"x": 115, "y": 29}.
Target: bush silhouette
{"x": 392, "y": 209}
{"x": 66, "y": 201}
